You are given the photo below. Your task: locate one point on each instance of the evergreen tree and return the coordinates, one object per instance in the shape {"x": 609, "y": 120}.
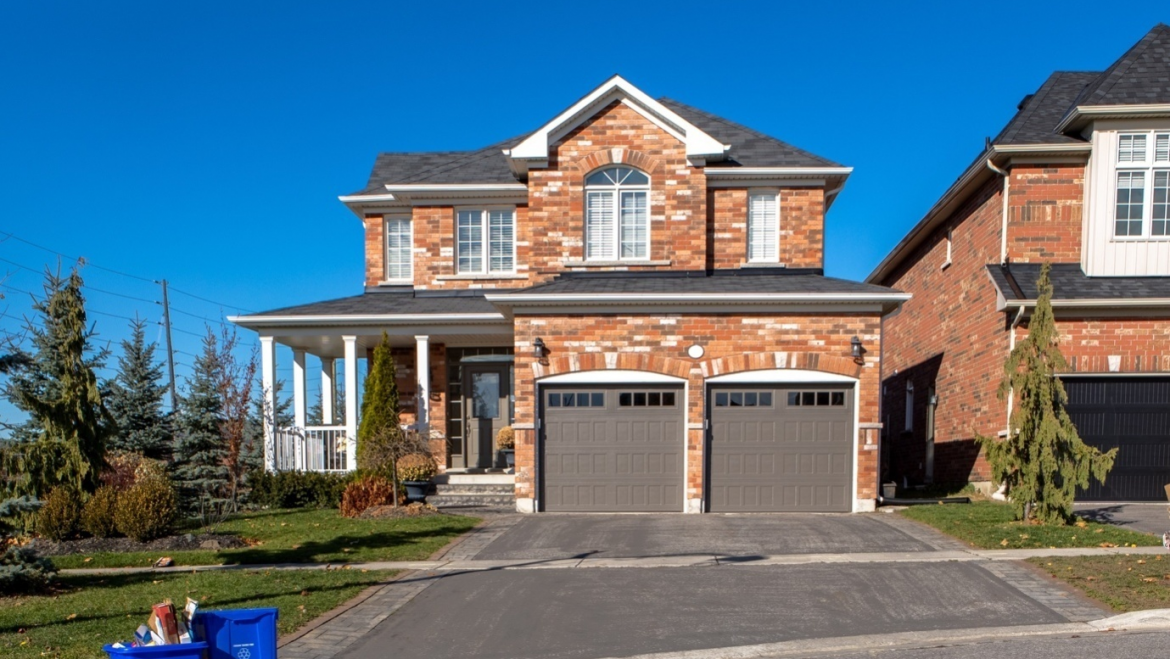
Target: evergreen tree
{"x": 200, "y": 452}
{"x": 1043, "y": 460}
{"x": 69, "y": 425}
{"x": 379, "y": 426}
{"x": 254, "y": 431}
{"x": 136, "y": 399}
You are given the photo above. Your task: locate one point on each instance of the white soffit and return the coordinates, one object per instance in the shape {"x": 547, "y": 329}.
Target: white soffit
{"x": 611, "y": 377}
{"x": 700, "y": 146}
{"x": 780, "y": 376}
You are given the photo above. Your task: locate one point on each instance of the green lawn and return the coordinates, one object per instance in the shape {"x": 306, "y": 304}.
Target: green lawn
{"x": 89, "y": 612}
{"x": 303, "y": 536}
{"x": 989, "y": 525}
{"x": 1124, "y": 583}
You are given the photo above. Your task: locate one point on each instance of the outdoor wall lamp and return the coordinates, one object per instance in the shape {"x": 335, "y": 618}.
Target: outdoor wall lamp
{"x": 858, "y": 350}
{"x": 538, "y": 349}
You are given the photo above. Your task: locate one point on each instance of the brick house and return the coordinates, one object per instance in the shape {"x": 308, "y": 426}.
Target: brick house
{"x": 637, "y": 289}
{"x": 1078, "y": 178}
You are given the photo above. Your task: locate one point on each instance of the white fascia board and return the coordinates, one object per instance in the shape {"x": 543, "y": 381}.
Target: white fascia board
{"x": 1017, "y": 149}
{"x": 447, "y": 188}
{"x": 1090, "y": 112}
{"x": 780, "y": 376}
{"x": 698, "y": 143}
{"x": 366, "y": 198}
{"x": 776, "y": 172}
{"x": 693, "y": 298}
{"x": 387, "y": 319}
{"x": 1099, "y": 303}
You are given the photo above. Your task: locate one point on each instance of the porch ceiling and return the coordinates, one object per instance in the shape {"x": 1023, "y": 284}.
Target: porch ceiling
{"x": 328, "y": 343}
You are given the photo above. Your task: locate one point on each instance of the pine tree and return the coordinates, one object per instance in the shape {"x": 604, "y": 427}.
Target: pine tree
{"x": 69, "y": 425}
{"x": 1043, "y": 460}
{"x": 136, "y": 399}
{"x": 379, "y": 425}
{"x": 254, "y": 430}
{"x": 200, "y": 452}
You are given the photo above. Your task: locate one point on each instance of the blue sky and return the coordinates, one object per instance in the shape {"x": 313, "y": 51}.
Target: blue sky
{"x": 206, "y": 143}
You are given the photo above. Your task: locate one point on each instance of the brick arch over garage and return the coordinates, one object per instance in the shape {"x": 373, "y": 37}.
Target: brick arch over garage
{"x": 758, "y": 361}
{"x": 576, "y": 362}
{"x": 617, "y": 156}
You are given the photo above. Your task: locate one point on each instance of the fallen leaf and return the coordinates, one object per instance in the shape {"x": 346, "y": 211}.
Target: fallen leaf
{"x": 1024, "y": 536}
{"x": 304, "y": 593}
{"x": 1003, "y": 543}
{"x": 1099, "y": 531}
{"x": 1149, "y": 579}
{"x": 1090, "y": 578}
{"x": 71, "y": 616}
{"x": 1141, "y": 561}
{"x": 1082, "y": 524}
{"x": 88, "y": 559}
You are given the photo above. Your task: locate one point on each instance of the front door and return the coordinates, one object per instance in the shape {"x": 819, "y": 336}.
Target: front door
{"x": 486, "y": 409}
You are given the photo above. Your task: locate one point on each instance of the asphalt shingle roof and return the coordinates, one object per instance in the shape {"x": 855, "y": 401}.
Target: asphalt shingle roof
{"x": 391, "y": 303}
{"x": 1039, "y": 114}
{"x": 749, "y": 148}
{"x": 732, "y": 281}
{"x": 1141, "y": 76}
{"x": 1018, "y": 281}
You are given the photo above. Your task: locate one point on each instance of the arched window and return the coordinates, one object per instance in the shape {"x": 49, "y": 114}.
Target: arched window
{"x": 617, "y": 215}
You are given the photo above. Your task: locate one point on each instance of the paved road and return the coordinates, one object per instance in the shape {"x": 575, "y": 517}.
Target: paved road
{"x": 1147, "y": 517}
{"x": 580, "y": 614}
{"x": 1094, "y": 646}
{"x": 548, "y": 537}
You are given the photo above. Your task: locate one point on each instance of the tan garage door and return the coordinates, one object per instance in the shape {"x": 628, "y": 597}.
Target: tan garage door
{"x": 778, "y": 448}
{"x": 612, "y": 449}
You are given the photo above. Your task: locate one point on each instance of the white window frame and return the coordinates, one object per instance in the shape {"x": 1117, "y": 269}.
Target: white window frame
{"x": 616, "y": 235}
{"x": 409, "y": 278}
{"x": 752, "y": 194}
{"x": 1149, "y": 166}
{"x": 485, "y": 269}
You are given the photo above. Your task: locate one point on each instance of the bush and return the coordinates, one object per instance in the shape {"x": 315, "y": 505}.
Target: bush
{"x": 97, "y": 516}
{"x": 147, "y": 510}
{"x": 21, "y": 570}
{"x": 296, "y": 489}
{"x": 417, "y": 467}
{"x": 127, "y": 468}
{"x": 506, "y": 438}
{"x": 60, "y": 517}
{"x": 364, "y": 493}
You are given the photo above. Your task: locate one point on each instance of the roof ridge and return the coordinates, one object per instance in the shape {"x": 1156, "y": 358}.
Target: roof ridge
{"x": 1112, "y": 74}
{"x": 749, "y": 129}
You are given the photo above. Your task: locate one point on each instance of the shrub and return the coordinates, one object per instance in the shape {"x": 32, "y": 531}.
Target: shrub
{"x": 366, "y": 492}
{"x": 127, "y": 468}
{"x": 417, "y": 467}
{"x": 506, "y": 438}
{"x": 97, "y": 516}
{"x": 60, "y": 517}
{"x": 147, "y": 510}
{"x": 296, "y": 489}
{"x": 21, "y": 570}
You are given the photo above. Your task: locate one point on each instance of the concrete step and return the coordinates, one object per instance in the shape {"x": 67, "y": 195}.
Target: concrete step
{"x": 450, "y": 501}
{"x": 453, "y": 478}
{"x": 475, "y": 488}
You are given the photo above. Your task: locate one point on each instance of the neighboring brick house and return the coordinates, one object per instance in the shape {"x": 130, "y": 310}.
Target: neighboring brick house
{"x": 637, "y": 288}
{"x": 1079, "y": 178}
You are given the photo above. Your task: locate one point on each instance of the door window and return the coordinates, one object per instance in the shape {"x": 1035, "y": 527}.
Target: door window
{"x": 485, "y": 395}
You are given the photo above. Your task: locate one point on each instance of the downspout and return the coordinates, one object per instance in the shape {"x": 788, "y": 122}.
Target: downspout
{"x": 1001, "y": 493}
{"x": 1004, "y": 226}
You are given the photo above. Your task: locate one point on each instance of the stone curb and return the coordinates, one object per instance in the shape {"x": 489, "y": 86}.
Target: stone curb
{"x": 338, "y": 610}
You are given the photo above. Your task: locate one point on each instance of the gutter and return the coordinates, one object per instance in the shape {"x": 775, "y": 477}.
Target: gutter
{"x": 1004, "y": 228}
{"x": 732, "y": 172}
{"x": 1096, "y": 303}
{"x": 264, "y": 321}
{"x": 635, "y": 298}
{"x": 1088, "y": 112}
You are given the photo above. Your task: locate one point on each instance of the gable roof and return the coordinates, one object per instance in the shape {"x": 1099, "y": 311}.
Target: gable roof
{"x": 1140, "y": 77}
{"x": 490, "y": 165}
{"x": 1039, "y": 113}
{"x": 1016, "y": 284}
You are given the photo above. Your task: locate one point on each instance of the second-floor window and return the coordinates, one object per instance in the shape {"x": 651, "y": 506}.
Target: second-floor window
{"x": 763, "y": 227}
{"x": 485, "y": 242}
{"x": 617, "y": 215}
{"x": 1142, "y": 203}
{"x": 399, "y": 249}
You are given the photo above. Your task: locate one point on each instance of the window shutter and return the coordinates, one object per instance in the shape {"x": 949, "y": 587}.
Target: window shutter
{"x": 599, "y": 226}
{"x": 763, "y": 228}
{"x": 501, "y": 230}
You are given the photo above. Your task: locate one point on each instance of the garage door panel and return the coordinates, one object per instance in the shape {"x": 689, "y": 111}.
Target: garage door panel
{"x": 628, "y": 460}
{"x": 1131, "y": 414}
{"x": 780, "y": 457}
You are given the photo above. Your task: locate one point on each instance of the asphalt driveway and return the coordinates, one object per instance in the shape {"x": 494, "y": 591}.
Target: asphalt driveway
{"x": 550, "y": 537}
{"x": 578, "y": 614}
{"x": 1146, "y": 517}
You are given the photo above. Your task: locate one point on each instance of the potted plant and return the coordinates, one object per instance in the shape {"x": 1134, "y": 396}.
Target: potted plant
{"x": 415, "y": 471}
{"x": 506, "y": 443}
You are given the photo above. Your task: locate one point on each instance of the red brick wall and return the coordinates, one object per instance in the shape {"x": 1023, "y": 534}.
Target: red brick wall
{"x": 1142, "y": 345}
{"x": 949, "y": 336}
{"x": 1045, "y": 203}
{"x": 658, "y": 344}
{"x": 407, "y": 379}
{"x": 802, "y": 227}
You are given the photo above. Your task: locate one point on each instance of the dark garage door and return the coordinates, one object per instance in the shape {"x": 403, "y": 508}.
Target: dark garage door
{"x": 1132, "y": 414}
{"x": 612, "y": 449}
{"x": 781, "y": 449}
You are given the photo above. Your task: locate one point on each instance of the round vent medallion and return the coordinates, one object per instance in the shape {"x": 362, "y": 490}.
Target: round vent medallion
{"x": 695, "y": 351}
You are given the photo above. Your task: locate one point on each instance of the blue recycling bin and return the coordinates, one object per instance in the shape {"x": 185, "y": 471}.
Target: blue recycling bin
{"x": 237, "y": 633}
{"x": 184, "y": 651}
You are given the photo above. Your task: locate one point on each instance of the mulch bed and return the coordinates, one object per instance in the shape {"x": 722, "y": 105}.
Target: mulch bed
{"x": 392, "y": 512}
{"x": 186, "y": 541}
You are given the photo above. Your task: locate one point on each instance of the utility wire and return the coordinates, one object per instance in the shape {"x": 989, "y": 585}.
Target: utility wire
{"x": 9, "y": 234}
{"x": 195, "y": 315}
{"x": 232, "y": 306}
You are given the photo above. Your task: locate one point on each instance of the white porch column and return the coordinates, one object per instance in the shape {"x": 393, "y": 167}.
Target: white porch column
{"x": 299, "y": 388}
{"x": 422, "y": 367}
{"x": 351, "y": 401}
{"x": 268, "y": 382}
{"x": 328, "y": 392}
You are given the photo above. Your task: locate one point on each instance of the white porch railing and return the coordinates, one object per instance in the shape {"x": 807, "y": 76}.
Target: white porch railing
{"x": 314, "y": 448}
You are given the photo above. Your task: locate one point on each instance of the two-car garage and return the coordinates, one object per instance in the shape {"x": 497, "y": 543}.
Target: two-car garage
{"x": 769, "y": 447}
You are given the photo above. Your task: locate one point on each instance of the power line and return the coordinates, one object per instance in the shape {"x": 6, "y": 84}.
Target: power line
{"x": 9, "y": 234}
{"x": 87, "y": 310}
{"x": 194, "y": 315}
{"x": 210, "y": 301}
